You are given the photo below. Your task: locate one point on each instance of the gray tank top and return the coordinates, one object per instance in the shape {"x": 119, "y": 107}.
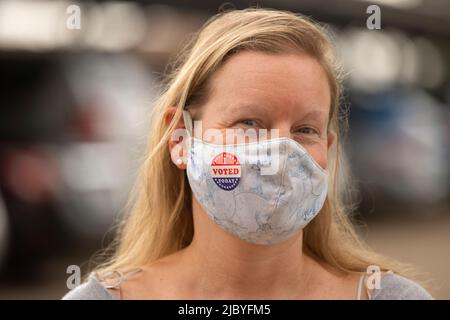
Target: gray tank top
{"x": 392, "y": 287}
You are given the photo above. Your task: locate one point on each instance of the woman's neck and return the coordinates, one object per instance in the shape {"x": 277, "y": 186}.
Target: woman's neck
{"x": 225, "y": 265}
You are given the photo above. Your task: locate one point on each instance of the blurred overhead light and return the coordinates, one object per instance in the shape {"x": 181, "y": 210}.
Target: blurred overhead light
{"x": 376, "y": 60}
{"x": 115, "y": 26}
{"x": 400, "y": 4}
{"x": 41, "y": 25}
{"x": 372, "y": 58}
{"x": 33, "y": 25}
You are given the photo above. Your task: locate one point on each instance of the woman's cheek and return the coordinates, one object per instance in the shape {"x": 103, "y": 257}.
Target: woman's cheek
{"x": 319, "y": 154}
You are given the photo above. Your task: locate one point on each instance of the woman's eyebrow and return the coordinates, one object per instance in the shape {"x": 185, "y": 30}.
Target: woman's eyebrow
{"x": 314, "y": 115}
{"x": 241, "y": 108}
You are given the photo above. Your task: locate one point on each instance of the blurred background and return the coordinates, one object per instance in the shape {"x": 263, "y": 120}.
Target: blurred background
{"x": 74, "y": 105}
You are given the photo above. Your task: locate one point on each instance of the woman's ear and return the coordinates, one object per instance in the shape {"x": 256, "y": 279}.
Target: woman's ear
{"x": 178, "y": 139}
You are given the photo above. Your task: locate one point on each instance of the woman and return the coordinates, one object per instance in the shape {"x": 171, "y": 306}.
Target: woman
{"x": 206, "y": 221}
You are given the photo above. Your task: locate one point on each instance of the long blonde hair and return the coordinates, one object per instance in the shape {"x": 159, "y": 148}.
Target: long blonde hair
{"x": 159, "y": 218}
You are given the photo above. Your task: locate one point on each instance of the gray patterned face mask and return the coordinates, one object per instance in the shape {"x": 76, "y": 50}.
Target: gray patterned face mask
{"x": 262, "y": 192}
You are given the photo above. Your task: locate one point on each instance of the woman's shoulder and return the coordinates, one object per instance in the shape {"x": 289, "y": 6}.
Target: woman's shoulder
{"x": 396, "y": 287}
{"x": 92, "y": 289}
{"x": 131, "y": 283}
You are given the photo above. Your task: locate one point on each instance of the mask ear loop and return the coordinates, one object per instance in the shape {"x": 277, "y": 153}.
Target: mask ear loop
{"x": 188, "y": 122}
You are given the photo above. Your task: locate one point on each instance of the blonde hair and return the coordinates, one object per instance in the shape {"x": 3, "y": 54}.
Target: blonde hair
{"x": 159, "y": 220}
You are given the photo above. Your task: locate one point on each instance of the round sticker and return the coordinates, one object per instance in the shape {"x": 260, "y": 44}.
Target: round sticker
{"x": 226, "y": 171}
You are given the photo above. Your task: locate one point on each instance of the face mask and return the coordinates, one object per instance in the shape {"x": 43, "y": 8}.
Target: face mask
{"x": 261, "y": 192}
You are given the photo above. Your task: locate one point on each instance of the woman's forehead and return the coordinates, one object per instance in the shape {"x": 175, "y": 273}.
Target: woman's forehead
{"x": 268, "y": 80}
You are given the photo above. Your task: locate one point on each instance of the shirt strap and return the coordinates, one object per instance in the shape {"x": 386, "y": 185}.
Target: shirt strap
{"x": 360, "y": 284}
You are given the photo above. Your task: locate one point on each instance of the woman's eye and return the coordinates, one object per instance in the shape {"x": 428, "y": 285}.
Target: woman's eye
{"x": 249, "y": 122}
{"x": 308, "y": 131}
